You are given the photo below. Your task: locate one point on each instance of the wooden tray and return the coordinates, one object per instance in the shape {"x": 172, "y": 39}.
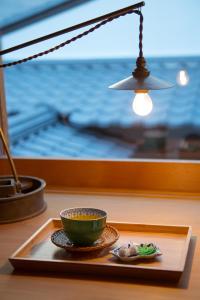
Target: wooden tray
{"x": 38, "y": 253}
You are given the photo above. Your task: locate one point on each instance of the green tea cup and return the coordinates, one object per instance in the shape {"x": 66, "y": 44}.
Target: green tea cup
{"x": 83, "y": 226}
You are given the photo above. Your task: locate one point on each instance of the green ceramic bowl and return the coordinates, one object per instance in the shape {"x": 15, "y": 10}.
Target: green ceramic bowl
{"x": 83, "y": 226}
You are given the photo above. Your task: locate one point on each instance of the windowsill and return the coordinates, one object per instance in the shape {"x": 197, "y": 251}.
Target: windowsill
{"x": 141, "y": 176}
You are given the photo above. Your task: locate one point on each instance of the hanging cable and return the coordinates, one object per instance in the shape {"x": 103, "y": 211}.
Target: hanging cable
{"x": 79, "y": 36}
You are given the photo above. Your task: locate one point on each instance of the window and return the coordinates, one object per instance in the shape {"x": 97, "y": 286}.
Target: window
{"x": 63, "y": 108}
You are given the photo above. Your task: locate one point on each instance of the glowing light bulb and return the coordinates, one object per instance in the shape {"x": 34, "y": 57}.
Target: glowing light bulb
{"x": 142, "y": 104}
{"x": 182, "y": 77}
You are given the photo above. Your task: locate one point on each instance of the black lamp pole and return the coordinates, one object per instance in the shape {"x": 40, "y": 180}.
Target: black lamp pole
{"x": 113, "y": 15}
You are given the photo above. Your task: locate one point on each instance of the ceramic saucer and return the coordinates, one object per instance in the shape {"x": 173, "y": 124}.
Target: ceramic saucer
{"x": 109, "y": 236}
{"x": 115, "y": 252}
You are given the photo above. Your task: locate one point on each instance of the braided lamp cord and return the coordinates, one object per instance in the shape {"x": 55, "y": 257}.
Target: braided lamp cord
{"x": 141, "y": 34}
{"x": 79, "y": 36}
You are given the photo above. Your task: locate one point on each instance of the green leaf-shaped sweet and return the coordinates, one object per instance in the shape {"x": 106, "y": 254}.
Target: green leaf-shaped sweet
{"x": 146, "y": 249}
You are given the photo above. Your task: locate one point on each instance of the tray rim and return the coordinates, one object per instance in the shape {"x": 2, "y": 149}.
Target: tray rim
{"x": 13, "y": 258}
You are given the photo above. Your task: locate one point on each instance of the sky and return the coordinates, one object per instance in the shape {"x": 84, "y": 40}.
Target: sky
{"x": 171, "y": 28}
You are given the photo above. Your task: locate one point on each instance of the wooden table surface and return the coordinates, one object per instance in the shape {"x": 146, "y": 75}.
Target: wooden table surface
{"x": 121, "y": 206}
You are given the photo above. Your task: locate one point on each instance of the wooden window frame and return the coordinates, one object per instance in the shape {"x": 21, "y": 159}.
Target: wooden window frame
{"x": 152, "y": 176}
{"x": 143, "y": 176}
{"x": 3, "y": 112}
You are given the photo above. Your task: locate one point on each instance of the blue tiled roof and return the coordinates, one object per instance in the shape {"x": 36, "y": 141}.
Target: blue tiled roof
{"x": 60, "y": 140}
{"x": 77, "y": 91}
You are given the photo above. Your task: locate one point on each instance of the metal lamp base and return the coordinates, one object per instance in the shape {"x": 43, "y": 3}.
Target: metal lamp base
{"x": 27, "y": 204}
